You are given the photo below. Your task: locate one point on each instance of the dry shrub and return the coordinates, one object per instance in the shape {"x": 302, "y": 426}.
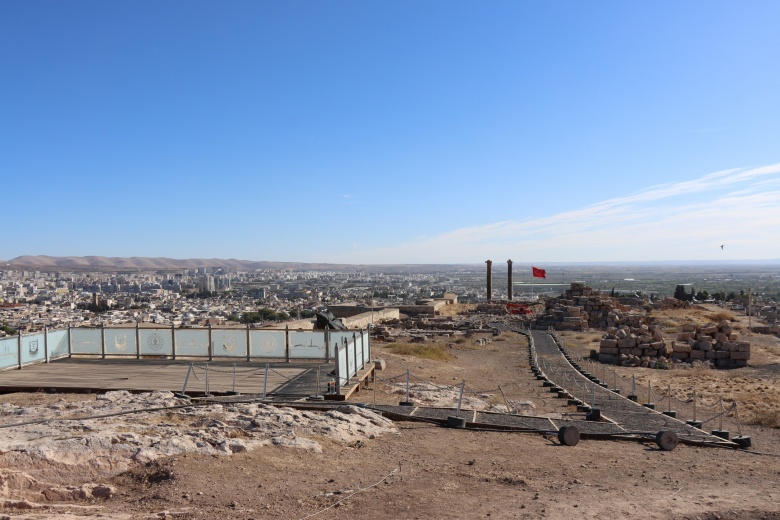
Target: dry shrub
{"x": 769, "y": 417}
{"x": 720, "y": 316}
{"x": 434, "y": 352}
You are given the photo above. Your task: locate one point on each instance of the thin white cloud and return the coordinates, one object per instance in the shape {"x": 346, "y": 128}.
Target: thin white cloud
{"x": 675, "y": 221}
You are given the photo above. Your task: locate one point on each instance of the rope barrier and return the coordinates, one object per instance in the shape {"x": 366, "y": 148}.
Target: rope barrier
{"x": 353, "y": 494}
{"x": 724, "y": 412}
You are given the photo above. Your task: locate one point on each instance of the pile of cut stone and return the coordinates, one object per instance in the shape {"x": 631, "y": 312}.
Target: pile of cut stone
{"x": 711, "y": 344}
{"x": 641, "y": 346}
{"x": 673, "y": 303}
{"x": 582, "y": 307}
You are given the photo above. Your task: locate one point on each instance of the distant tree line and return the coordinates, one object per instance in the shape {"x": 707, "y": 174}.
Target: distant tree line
{"x": 681, "y": 294}
{"x": 7, "y": 329}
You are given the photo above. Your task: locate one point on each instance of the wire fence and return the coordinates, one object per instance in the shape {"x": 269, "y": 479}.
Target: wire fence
{"x": 713, "y": 414}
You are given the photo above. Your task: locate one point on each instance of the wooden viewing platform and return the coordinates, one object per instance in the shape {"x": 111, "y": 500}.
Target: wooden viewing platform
{"x": 100, "y": 375}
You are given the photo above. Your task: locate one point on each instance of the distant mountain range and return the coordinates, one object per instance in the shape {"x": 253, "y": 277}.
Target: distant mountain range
{"x": 145, "y": 264}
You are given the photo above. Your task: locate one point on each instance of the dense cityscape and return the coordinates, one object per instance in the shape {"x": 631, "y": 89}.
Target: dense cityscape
{"x": 33, "y": 299}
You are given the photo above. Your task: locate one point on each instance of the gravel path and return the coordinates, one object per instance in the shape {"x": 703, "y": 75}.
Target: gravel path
{"x": 631, "y": 416}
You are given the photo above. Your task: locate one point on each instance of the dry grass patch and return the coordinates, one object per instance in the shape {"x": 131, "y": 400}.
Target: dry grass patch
{"x": 421, "y": 350}
{"x": 720, "y": 316}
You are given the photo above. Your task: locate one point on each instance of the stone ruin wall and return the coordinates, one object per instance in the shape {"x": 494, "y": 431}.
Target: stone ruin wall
{"x": 716, "y": 343}
{"x": 582, "y": 308}
{"x": 713, "y": 345}
{"x": 632, "y": 340}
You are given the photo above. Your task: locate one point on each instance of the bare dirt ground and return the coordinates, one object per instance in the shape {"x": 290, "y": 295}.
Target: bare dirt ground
{"x": 419, "y": 470}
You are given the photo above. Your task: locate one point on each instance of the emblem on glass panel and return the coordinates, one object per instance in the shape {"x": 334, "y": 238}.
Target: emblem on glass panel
{"x": 33, "y": 347}
{"x": 155, "y": 342}
{"x": 120, "y": 342}
{"x": 268, "y": 344}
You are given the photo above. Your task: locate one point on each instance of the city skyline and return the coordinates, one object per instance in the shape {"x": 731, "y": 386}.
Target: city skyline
{"x": 402, "y": 133}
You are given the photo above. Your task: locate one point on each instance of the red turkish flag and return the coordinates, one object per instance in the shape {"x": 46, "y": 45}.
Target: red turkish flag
{"x": 539, "y": 273}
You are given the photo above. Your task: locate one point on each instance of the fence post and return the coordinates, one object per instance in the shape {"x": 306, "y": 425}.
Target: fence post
{"x": 70, "y": 342}
{"x": 19, "y": 349}
{"x": 102, "y": 340}
{"x": 248, "y": 346}
{"x": 211, "y": 349}
{"x": 287, "y": 343}
{"x": 354, "y": 350}
{"x": 173, "y": 340}
{"x": 367, "y": 353}
{"x": 362, "y": 351}
{"x": 137, "y": 340}
{"x": 46, "y": 343}
{"x": 338, "y": 368}
{"x": 326, "y": 340}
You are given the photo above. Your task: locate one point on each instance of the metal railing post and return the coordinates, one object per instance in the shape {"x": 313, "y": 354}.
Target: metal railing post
{"x": 287, "y": 343}
{"x": 211, "y": 344}
{"x": 248, "y": 346}
{"x": 173, "y": 341}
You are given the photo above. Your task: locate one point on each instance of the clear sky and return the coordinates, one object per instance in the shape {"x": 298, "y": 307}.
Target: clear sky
{"x": 403, "y": 132}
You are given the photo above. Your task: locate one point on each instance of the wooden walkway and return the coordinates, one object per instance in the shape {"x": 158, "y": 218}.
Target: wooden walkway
{"x": 100, "y": 375}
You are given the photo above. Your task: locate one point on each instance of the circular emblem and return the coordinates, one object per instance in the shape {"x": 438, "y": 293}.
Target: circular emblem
{"x": 33, "y": 348}
{"x": 268, "y": 344}
{"x": 155, "y": 342}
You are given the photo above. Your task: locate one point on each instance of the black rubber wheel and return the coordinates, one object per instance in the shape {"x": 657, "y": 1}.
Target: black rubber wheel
{"x": 667, "y": 440}
{"x": 569, "y": 435}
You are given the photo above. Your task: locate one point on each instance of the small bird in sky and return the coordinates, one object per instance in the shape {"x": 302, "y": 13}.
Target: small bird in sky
{"x": 721, "y": 246}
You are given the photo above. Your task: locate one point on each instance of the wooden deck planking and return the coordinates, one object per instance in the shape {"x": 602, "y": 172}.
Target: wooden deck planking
{"x": 147, "y": 375}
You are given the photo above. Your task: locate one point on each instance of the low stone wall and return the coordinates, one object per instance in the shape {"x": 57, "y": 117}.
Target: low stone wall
{"x": 633, "y": 346}
{"x": 716, "y": 344}
{"x": 582, "y": 307}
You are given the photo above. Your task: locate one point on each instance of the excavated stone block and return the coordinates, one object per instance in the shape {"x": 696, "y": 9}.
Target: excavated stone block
{"x": 678, "y": 347}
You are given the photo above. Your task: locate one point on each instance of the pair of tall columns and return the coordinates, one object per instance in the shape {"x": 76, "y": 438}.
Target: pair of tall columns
{"x": 490, "y": 279}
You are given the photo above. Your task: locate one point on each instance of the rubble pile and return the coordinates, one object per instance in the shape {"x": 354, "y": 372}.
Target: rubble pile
{"x": 582, "y": 307}
{"x": 419, "y": 329}
{"x": 673, "y": 303}
{"x": 641, "y": 346}
{"x": 716, "y": 345}
{"x": 712, "y": 345}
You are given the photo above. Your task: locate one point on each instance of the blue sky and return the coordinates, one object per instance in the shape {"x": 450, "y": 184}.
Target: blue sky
{"x": 403, "y": 132}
